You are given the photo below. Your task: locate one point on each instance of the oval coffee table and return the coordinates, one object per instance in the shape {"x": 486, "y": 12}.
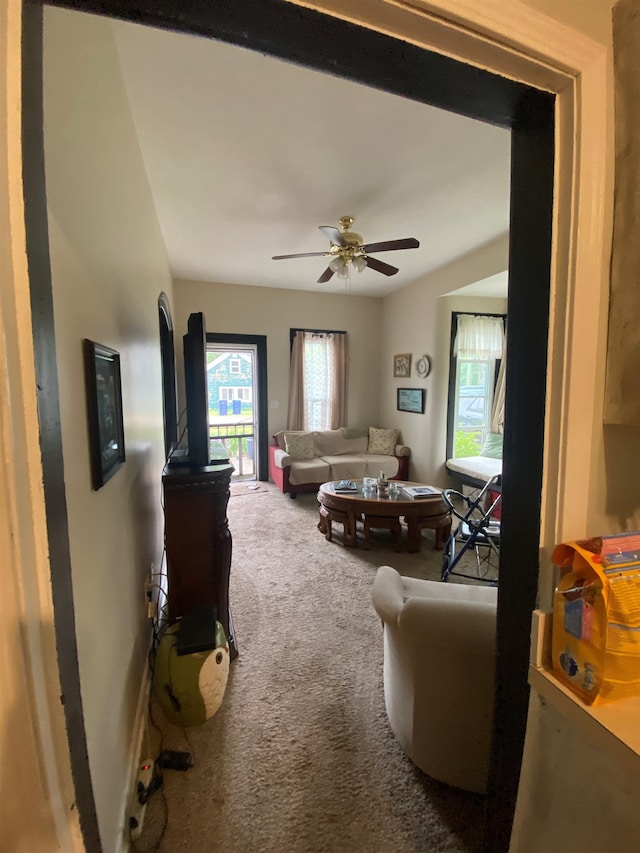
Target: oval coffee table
{"x": 347, "y": 508}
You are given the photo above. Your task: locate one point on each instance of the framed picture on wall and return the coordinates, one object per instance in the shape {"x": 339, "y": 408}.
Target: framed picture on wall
{"x": 402, "y": 365}
{"x": 411, "y": 400}
{"x": 104, "y": 411}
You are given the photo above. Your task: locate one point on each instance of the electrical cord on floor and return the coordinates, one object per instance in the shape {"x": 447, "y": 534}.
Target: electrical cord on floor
{"x": 157, "y": 770}
{"x": 191, "y": 749}
{"x": 178, "y": 708}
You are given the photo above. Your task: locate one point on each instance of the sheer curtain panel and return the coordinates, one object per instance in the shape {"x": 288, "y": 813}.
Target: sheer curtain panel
{"x": 479, "y": 338}
{"x": 318, "y": 381}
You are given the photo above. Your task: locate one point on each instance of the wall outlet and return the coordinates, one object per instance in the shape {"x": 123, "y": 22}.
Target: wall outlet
{"x": 274, "y": 404}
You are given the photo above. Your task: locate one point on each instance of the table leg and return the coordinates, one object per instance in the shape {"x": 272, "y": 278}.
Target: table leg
{"x": 443, "y": 531}
{"x": 413, "y": 535}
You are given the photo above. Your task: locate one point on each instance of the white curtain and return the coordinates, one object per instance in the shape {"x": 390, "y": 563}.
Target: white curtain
{"x": 318, "y": 381}
{"x": 497, "y": 409}
{"x": 479, "y": 338}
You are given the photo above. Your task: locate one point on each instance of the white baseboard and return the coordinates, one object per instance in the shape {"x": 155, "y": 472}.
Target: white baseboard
{"x": 139, "y": 727}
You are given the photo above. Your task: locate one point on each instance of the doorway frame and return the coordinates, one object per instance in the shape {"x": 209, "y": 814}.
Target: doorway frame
{"x": 545, "y": 56}
{"x": 260, "y": 343}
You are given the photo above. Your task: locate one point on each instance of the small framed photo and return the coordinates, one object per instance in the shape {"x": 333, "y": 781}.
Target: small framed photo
{"x": 104, "y": 411}
{"x": 411, "y": 400}
{"x": 402, "y": 365}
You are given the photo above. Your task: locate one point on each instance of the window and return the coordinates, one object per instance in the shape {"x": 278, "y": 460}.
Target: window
{"x": 230, "y": 394}
{"x": 318, "y": 380}
{"x": 477, "y": 350}
{"x": 234, "y": 366}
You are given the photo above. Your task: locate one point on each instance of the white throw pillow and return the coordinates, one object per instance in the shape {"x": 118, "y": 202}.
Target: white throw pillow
{"x": 382, "y": 441}
{"x": 299, "y": 445}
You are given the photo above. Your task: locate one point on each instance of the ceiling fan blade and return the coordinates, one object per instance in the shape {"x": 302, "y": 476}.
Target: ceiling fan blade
{"x": 326, "y": 275}
{"x": 303, "y": 255}
{"x": 333, "y": 234}
{"x": 380, "y": 266}
{"x": 390, "y": 245}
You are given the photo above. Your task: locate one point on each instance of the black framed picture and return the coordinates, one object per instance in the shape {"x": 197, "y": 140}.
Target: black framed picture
{"x": 104, "y": 410}
{"x": 411, "y": 400}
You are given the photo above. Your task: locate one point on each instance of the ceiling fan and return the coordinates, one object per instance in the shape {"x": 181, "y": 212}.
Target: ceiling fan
{"x": 347, "y": 249}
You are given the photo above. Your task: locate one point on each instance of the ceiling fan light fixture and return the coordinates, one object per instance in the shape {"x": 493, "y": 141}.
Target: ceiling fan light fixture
{"x": 347, "y": 249}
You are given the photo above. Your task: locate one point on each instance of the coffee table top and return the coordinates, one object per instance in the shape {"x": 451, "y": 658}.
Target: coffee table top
{"x": 328, "y": 489}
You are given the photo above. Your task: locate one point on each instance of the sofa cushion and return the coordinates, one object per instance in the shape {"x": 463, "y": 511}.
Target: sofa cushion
{"x": 375, "y": 463}
{"x": 347, "y": 466}
{"x": 309, "y": 471}
{"x": 299, "y": 445}
{"x": 333, "y": 442}
{"x": 356, "y": 432}
{"x": 382, "y": 441}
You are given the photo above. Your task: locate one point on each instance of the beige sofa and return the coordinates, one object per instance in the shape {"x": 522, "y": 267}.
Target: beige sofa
{"x": 301, "y": 461}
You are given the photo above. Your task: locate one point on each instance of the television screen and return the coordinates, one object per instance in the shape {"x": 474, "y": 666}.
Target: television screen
{"x": 196, "y": 390}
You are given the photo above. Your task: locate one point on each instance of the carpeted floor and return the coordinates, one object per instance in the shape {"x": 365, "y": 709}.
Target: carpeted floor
{"x": 300, "y": 757}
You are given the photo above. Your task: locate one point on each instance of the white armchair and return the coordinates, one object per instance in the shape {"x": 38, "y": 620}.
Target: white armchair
{"x": 439, "y": 660}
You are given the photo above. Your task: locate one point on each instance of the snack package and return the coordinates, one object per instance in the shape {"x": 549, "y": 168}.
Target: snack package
{"x": 596, "y": 620}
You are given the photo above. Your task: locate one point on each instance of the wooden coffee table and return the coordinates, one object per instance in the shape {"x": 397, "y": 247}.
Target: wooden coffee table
{"x": 347, "y": 508}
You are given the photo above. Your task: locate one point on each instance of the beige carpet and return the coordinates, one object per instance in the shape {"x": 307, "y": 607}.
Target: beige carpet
{"x": 300, "y": 758}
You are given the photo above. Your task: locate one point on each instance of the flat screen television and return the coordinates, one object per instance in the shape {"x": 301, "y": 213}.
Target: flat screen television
{"x": 196, "y": 391}
{"x": 197, "y": 451}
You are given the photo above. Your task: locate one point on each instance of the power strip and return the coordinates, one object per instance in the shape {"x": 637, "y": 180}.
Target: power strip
{"x": 140, "y": 797}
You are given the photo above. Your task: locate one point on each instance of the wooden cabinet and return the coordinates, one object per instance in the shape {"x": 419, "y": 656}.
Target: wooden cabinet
{"x": 198, "y": 542}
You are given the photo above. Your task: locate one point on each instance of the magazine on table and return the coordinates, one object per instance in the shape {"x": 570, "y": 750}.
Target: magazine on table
{"x": 345, "y": 486}
{"x": 420, "y": 491}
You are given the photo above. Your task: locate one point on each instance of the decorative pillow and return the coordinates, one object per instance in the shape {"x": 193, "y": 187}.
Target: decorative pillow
{"x": 278, "y": 438}
{"x": 299, "y": 445}
{"x": 382, "y": 441}
{"x": 492, "y": 446}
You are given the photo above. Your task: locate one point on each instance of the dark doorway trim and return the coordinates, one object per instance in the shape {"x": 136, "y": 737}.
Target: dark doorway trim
{"x": 260, "y": 343}
{"x": 37, "y": 235}
{"x": 328, "y": 44}
{"x": 532, "y": 166}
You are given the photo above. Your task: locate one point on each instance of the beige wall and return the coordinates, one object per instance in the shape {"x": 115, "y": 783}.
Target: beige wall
{"x": 108, "y": 269}
{"x": 417, "y": 319}
{"x": 272, "y": 312}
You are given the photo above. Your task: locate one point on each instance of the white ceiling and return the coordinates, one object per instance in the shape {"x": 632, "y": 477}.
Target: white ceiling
{"x": 246, "y": 155}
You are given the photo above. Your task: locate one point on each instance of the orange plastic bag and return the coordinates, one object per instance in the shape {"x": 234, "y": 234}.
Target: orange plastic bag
{"x": 596, "y": 622}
